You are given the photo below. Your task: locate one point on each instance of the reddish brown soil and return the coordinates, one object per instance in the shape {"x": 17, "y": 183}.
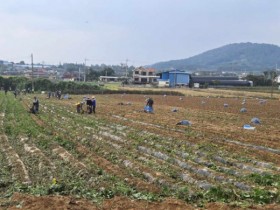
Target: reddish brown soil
{"x": 211, "y": 121}
{"x": 28, "y": 202}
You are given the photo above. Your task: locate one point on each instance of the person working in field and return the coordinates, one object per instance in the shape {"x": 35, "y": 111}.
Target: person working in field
{"x": 89, "y": 106}
{"x": 35, "y": 106}
{"x": 149, "y": 105}
{"x": 79, "y": 108}
{"x": 93, "y": 104}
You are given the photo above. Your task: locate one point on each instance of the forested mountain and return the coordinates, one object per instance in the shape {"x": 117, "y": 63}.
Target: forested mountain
{"x": 232, "y": 57}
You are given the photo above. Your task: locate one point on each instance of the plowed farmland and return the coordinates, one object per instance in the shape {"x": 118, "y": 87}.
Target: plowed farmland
{"x": 124, "y": 158}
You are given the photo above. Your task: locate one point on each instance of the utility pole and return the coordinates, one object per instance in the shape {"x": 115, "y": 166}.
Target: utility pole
{"x": 32, "y": 69}
{"x": 126, "y": 68}
{"x": 84, "y": 72}
{"x": 272, "y": 78}
{"x": 85, "y": 66}
{"x": 79, "y": 74}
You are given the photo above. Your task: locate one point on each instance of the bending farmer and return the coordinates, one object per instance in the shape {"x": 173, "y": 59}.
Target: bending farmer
{"x": 35, "y": 106}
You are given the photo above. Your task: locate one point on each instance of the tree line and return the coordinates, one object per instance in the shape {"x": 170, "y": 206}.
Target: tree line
{"x": 24, "y": 84}
{"x": 266, "y": 79}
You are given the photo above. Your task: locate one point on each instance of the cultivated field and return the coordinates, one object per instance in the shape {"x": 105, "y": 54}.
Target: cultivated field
{"x": 123, "y": 158}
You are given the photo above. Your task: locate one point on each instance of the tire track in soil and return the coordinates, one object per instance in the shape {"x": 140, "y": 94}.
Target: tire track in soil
{"x": 18, "y": 168}
{"x": 242, "y": 185}
{"x": 146, "y": 172}
{"x": 214, "y": 113}
{"x": 44, "y": 161}
{"x": 212, "y": 136}
{"x": 151, "y": 178}
{"x": 244, "y": 167}
{"x": 101, "y": 162}
{"x": 107, "y": 166}
{"x": 106, "y": 135}
{"x": 113, "y": 168}
{"x": 116, "y": 170}
{"x": 194, "y": 169}
{"x": 19, "y": 171}
{"x": 203, "y": 158}
{"x": 216, "y": 132}
{"x": 34, "y": 159}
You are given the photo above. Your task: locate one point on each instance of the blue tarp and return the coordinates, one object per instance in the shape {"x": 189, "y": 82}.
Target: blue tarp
{"x": 184, "y": 122}
{"x": 148, "y": 109}
{"x": 248, "y": 127}
{"x": 256, "y": 120}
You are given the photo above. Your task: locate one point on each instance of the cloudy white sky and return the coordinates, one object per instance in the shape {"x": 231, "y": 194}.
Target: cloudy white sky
{"x": 142, "y": 31}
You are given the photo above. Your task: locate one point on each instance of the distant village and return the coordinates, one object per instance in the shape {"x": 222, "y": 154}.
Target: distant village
{"x": 138, "y": 76}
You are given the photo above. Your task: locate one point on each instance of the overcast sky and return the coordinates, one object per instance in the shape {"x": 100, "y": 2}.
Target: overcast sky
{"x": 142, "y": 31}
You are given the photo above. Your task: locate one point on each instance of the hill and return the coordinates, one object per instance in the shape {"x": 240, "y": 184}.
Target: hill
{"x": 232, "y": 57}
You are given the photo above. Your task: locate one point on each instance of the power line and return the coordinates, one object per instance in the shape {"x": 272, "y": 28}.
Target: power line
{"x": 32, "y": 69}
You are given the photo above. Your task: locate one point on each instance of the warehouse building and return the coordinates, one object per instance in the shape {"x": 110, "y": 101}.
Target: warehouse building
{"x": 218, "y": 81}
{"x": 174, "y": 78}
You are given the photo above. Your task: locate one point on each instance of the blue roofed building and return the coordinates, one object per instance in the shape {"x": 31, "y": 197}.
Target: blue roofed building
{"x": 174, "y": 78}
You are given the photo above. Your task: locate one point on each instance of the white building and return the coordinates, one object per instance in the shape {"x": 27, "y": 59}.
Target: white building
{"x": 108, "y": 79}
{"x": 143, "y": 75}
{"x": 277, "y": 79}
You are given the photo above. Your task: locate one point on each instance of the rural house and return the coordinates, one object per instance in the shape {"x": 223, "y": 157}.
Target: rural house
{"x": 143, "y": 75}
